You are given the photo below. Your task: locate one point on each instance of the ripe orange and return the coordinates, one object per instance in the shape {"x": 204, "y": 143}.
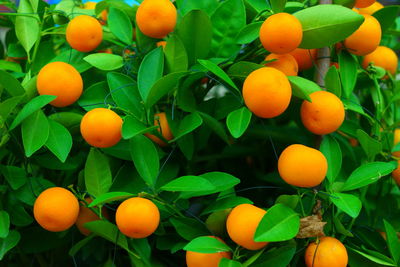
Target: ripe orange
{"x": 285, "y": 63}
{"x": 137, "y": 217}
{"x": 304, "y": 57}
{"x": 371, "y": 9}
{"x": 324, "y": 115}
{"x": 281, "y": 33}
{"x": 396, "y": 174}
{"x": 56, "y": 209}
{"x": 62, "y": 80}
{"x": 267, "y": 92}
{"x": 101, "y": 127}
{"x": 162, "y": 43}
{"x": 160, "y": 119}
{"x": 196, "y": 259}
{"x": 396, "y": 140}
{"x": 363, "y": 3}
{"x": 383, "y": 57}
{"x": 84, "y": 33}
{"x": 329, "y": 252}
{"x": 87, "y": 215}
{"x": 156, "y": 18}
{"x": 242, "y": 224}
{"x": 302, "y": 166}
{"x": 366, "y": 38}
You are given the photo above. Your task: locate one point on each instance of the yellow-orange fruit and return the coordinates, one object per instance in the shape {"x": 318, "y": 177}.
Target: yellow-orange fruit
{"x": 285, "y": 63}
{"x": 366, "y": 38}
{"x": 302, "y": 166}
{"x": 156, "y": 18}
{"x": 62, "y": 80}
{"x": 242, "y": 224}
{"x": 304, "y": 57}
{"x": 101, "y": 127}
{"x": 84, "y": 33}
{"x": 396, "y": 140}
{"x": 363, "y": 3}
{"x": 87, "y": 215}
{"x": 324, "y": 115}
{"x": 383, "y": 57}
{"x": 329, "y": 252}
{"x": 267, "y": 92}
{"x": 371, "y": 9}
{"x": 160, "y": 119}
{"x": 137, "y": 217}
{"x": 196, "y": 259}
{"x": 396, "y": 173}
{"x": 56, "y": 209}
{"x": 281, "y": 33}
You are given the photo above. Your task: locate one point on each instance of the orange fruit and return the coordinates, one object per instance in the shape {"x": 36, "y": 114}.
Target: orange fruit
{"x": 62, "y": 80}
{"x": 162, "y": 43}
{"x": 267, "y": 92}
{"x": 56, "y": 209}
{"x": 281, "y": 33}
{"x": 371, "y": 9}
{"x": 160, "y": 119}
{"x": 137, "y": 217}
{"x": 196, "y": 259}
{"x": 383, "y": 57}
{"x": 87, "y": 215}
{"x": 396, "y": 140}
{"x": 84, "y": 33}
{"x": 396, "y": 174}
{"x": 366, "y": 38}
{"x": 324, "y": 115}
{"x": 304, "y": 57}
{"x": 329, "y": 252}
{"x": 242, "y": 224}
{"x": 101, "y": 127}
{"x": 156, "y": 18}
{"x": 285, "y": 63}
{"x": 363, "y": 3}
{"x": 302, "y": 166}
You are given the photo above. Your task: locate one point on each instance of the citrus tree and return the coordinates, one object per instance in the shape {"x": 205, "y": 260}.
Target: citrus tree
{"x": 199, "y": 133}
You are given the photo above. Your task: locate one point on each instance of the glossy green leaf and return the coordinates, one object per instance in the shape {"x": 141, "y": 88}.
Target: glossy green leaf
{"x": 132, "y": 127}
{"x": 35, "y": 132}
{"x": 373, "y": 258}
{"x": 238, "y": 121}
{"x": 27, "y": 27}
{"x": 225, "y": 262}
{"x": 348, "y": 203}
{"x": 176, "y": 58}
{"x": 277, "y": 257}
{"x": 68, "y": 119}
{"x": 277, "y": 5}
{"x": 188, "y": 183}
{"x": 104, "y": 61}
{"x": 206, "y": 244}
{"x": 333, "y": 154}
{"x": 95, "y": 96}
{"x": 392, "y": 241}
{"x": 187, "y": 125}
{"x": 8, "y": 106}
{"x": 242, "y": 69}
{"x": 59, "y": 141}
{"x": 348, "y": 72}
{"x": 110, "y": 197}
{"x": 150, "y": 70}
{"x": 215, "y": 125}
{"x": 215, "y": 69}
{"x": 205, "y": 5}
{"x": 4, "y": 224}
{"x": 370, "y": 145}
{"x": 15, "y": 176}
{"x": 6, "y": 244}
{"x": 189, "y": 228}
{"x": 11, "y": 84}
{"x": 226, "y": 203}
{"x": 249, "y": 33}
{"x": 290, "y": 201}
{"x": 120, "y": 25}
{"x": 332, "y": 81}
{"x": 98, "y": 177}
{"x": 302, "y": 88}
{"x": 387, "y": 16}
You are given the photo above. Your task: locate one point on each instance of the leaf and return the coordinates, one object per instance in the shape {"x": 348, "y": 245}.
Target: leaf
{"x": 332, "y": 81}
{"x": 348, "y": 72}
{"x": 27, "y": 27}
{"x": 120, "y": 25}
{"x": 110, "y": 197}
{"x": 105, "y": 61}
{"x": 215, "y": 125}
{"x": 392, "y": 241}
{"x": 8, "y": 105}
{"x": 35, "y": 131}
{"x": 215, "y": 69}
{"x": 348, "y": 203}
{"x": 277, "y": 257}
{"x": 302, "y": 87}
{"x": 238, "y": 121}
{"x": 225, "y": 262}
{"x": 11, "y": 84}
{"x": 371, "y": 146}
{"x": 188, "y": 183}
{"x": 77, "y": 246}
{"x": 59, "y": 141}
{"x": 189, "y": 228}
{"x": 32, "y": 106}
{"x": 321, "y": 29}
{"x": 98, "y": 178}
{"x": 249, "y": 33}
{"x": 372, "y": 258}
{"x": 150, "y": 70}
{"x": 226, "y": 203}
{"x": 387, "y": 16}
{"x": 242, "y": 69}
{"x": 206, "y": 244}
{"x": 97, "y": 95}
{"x": 9, "y": 242}
{"x": 367, "y": 174}
{"x": 333, "y": 154}
{"x": 280, "y": 223}
{"x": 278, "y": 5}
{"x": 205, "y": 5}
{"x": 4, "y": 224}
{"x": 15, "y": 176}
{"x": 145, "y": 157}
{"x": 132, "y": 127}
{"x": 176, "y": 58}
{"x": 190, "y": 123}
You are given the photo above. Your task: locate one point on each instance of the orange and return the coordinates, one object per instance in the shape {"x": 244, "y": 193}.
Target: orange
{"x": 156, "y": 18}
{"x": 304, "y": 57}
{"x": 84, "y": 33}
{"x": 162, "y": 43}
{"x": 285, "y": 63}
{"x": 267, "y": 92}
{"x": 281, "y": 33}
{"x": 160, "y": 119}
{"x": 302, "y": 166}
{"x": 329, "y": 252}
{"x": 101, "y": 127}
{"x": 62, "y": 80}
{"x": 396, "y": 174}
{"x": 363, "y": 3}
{"x": 56, "y": 209}
{"x": 396, "y": 140}
{"x": 242, "y": 224}
{"x": 87, "y": 215}
{"x": 196, "y": 259}
{"x": 366, "y": 38}
{"x": 137, "y": 217}
{"x": 324, "y": 115}
{"x": 383, "y": 57}
{"x": 371, "y": 9}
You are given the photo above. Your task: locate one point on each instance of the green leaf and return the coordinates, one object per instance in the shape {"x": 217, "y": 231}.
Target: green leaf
{"x": 348, "y": 203}
{"x": 372, "y": 258}
{"x": 11, "y": 84}
{"x": 238, "y": 121}
{"x": 280, "y": 223}
{"x": 190, "y": 123}
{"x": 321, "y": 29}
{"x": 145, "y": 157}
{"x": 387, "y": 16}
{"x": 290, "y": 201}
{"x": 348, "y": 72}
{"x": 371, "y": 146}
{"x": 242, "y": 69}
{"x": 132, "y": 127}
{"x": 189, "y": 228}
{"x": 188, "y": 184}
{"x": 176, "y": 58}
{"x": 27, "y": 27}
{"x": 59, "y": 141}
{"x": 15, "y": 176}
{"x": 206, "y": 244}
{"x": 4, "y": 224}
{"x": 95, "y": 96}
{"x": 392, "y": 241}
{"x": 105, "y": 61}
{"x": 215, "y": 125}
{"x": 150, "y": 70}
{"x": 70, "y": 120}
{"x": 332, "y": 81}
{"x": 277, "y": 5}
{"x": 227, "y": 20}
{"x": 98, "y": 177}
{"x": 77, "y": 246}
{"x": 333, "y": 154}
{"x": 249, "y": 33}
{"x": 6, "y": 244}
{"x": 215, "y": 69}
{"x": 120, "y": 25}
{"x": 110, "y": 197}
{"x": 35, "y": 131}
{"x": 208, "y": 6}
{"x": 8, "y": 106}
{"x": 277, "y": 257}
{"x": 302, "y": 88}
{"x": 225, "y": 262}
{"x": 367, "y": 174}
{"x": 32, "y": 106}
